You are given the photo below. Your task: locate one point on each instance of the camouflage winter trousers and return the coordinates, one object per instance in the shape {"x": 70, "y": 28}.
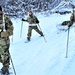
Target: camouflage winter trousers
{"x": 4, "y": 51}
{"x": 30, "y": 31}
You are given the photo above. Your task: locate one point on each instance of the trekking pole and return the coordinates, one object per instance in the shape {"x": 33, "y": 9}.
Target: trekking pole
{"x": 21, "y": 29}
{"x": 67, "y": 43}
{"x": 41, "y": 31}
{"x": 13, "y": 65}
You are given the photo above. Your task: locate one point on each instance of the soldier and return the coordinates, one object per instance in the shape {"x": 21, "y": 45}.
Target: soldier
{"x": 6, "y": 30}
{"x": 72, "y": 19}
{"x": 33, "y": 21}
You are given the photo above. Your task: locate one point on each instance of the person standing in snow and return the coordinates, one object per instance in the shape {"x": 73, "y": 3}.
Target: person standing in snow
{"x": 33, "y": 22}
{"x": 72, "y": 19}
{"x": 6, "y": 30}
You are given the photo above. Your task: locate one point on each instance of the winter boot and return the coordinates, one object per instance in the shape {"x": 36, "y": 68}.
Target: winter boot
{"x": 4, "y": 70}
{"x": 28, "y": 38}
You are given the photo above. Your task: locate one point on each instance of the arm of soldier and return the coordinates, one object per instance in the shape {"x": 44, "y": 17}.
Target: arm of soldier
{"x": 9, "y": 28}
{"x": 37, "y": 21}
{"x": 0, "y": 29}
{"x": 8, "y": 32}
{"x": 72, "y": 17}
{"x": 71, "y": 21}
{"x": 24, "y": 20}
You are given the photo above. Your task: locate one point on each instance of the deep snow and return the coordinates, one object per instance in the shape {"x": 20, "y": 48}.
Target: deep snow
{"x": 38, "y": 57}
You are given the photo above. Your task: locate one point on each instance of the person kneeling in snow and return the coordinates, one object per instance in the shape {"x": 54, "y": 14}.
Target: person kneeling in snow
{"x": 33, "y": 21}
{"x": 65, "y": 23}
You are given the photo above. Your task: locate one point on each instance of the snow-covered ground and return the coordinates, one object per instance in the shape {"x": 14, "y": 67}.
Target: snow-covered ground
{"x": 38, "y": 57}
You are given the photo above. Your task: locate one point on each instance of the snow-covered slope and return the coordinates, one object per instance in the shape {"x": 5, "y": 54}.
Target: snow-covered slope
{"x": 38, "y": 57}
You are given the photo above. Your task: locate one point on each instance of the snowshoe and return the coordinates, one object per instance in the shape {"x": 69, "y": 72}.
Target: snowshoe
{"x": 27, "y": 41}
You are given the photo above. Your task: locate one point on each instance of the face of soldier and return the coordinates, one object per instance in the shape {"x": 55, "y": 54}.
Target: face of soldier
{"x": 31, "y": 14}
{"x": 0, "y": 12}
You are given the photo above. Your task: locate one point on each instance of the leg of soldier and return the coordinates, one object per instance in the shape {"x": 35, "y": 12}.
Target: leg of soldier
{"x": 5, "y": 59}
{"x": 29, "y": 33}
{"x": 38, "y": 31}
{"x": 1, "y": 53}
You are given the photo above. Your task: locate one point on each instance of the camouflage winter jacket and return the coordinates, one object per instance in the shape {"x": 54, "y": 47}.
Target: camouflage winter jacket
{"x": 32, "y": 20}
{"x": 8, "y": 29}
{"x": 72, "y": 19}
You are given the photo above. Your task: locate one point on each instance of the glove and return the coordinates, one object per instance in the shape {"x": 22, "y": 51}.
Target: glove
{"x": 69, "y": 26}
{"x": 23, "y": 19}
{"x": 4, "y": 34}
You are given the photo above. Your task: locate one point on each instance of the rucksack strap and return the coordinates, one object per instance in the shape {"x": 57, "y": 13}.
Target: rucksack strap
{"x": 3, "y": 23}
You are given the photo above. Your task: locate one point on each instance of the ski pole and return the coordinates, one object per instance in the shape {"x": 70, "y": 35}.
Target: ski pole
{"x": 21, "y": 29}
{"x": 11, "y": 61}
{"x": 12, "y": 65}
{"x": 41, "y": 31}
{"x": 67, "y": 43}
